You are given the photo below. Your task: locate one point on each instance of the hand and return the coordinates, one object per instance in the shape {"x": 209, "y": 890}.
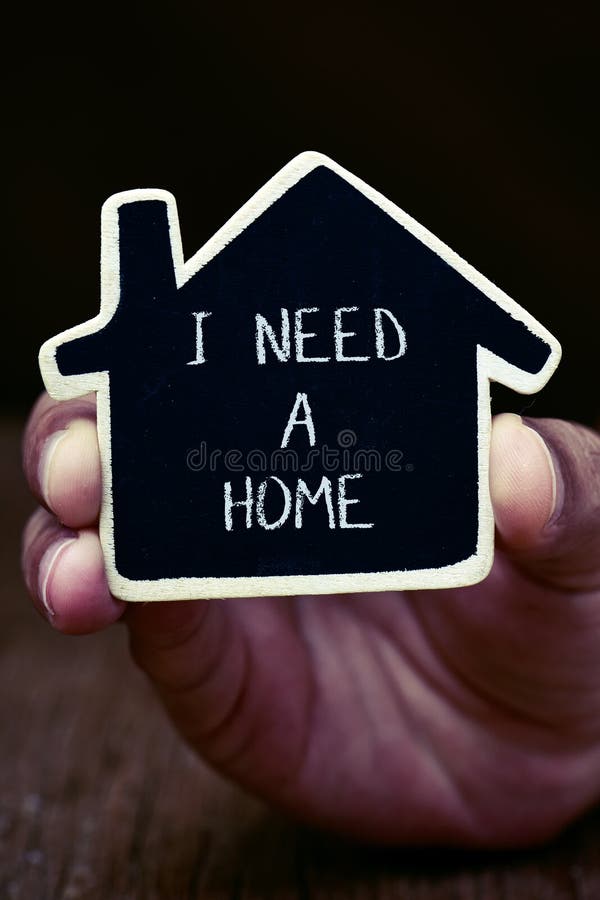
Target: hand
{"x": 468, "y": 716}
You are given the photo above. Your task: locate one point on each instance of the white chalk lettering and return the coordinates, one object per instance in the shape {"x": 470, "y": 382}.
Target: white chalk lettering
{"x": 275, "y": 491}
{"x": 388, "y": 333}
{"x": 230, "y": 503}
{"x": 199, "y": 316}
{"x": 280, "y": 346}
{"x": 303, "y": 493}
{"x": 380, "y": 337}
{"x": 339, "y": 335}
{"x": 260, "y": 504}
{"x": 301, "y": 336}
{"x": 343, "y": 503}
{"x": 301, "y": 400}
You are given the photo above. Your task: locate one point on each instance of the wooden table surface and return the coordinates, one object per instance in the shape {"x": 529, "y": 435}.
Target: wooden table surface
{"x": 100, "y": 799}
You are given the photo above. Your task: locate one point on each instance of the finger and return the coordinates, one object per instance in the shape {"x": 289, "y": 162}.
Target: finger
{"x": 225, "y": 671}
{"x": 64, "y": 572}
{"x": 61, "y": 458}
{"x": 193, "y": 652}
{"x": 545, "y": 488}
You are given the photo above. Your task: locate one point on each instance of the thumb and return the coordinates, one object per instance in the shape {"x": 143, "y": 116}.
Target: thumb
{"x": 545, "y": 489}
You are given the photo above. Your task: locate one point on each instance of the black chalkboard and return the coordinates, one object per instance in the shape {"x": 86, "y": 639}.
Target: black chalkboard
{"x": 301, "y": 407}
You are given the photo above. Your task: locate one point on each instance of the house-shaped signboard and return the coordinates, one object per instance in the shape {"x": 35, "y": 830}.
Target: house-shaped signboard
{"x": 302, "y": 406}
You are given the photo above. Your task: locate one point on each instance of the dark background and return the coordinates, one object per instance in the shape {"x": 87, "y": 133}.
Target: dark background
{"x": 481, "y": 125}
{"x": 478, "y": 122}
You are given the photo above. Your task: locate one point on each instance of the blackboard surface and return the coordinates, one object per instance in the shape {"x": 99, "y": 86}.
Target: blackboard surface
{"x": 304, "y": 405}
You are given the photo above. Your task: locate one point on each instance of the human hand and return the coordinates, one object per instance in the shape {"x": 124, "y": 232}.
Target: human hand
{"x": 467, "y": 716}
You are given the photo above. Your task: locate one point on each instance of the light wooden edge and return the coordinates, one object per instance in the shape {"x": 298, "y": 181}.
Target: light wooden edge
{"x": 489, "y": 368}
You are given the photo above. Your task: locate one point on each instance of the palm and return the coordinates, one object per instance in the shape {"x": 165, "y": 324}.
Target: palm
{"x": 401, "y": 716}
{"x": 468, "y": 716}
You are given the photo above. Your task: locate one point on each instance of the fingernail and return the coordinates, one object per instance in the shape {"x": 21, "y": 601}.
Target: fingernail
{"x": 543, "y": 446}
{"x": 48, "y": 451}
{"x": 47, "y": 566}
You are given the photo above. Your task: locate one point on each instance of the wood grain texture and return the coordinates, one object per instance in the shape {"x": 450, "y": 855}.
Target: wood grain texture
{"x": 99, "y": 799}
